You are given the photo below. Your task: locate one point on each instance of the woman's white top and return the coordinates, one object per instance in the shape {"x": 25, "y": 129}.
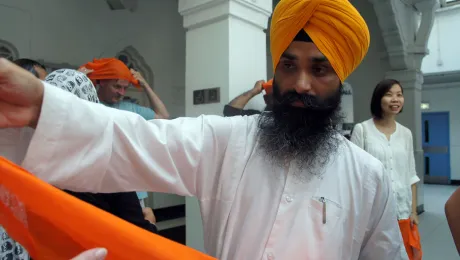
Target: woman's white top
{"x": 396, "y": 154}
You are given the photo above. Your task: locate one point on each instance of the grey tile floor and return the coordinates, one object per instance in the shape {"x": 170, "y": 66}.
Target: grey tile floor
{"x": 437, "y": 243}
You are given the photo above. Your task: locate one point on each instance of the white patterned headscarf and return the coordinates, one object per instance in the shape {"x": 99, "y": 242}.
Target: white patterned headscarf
{"x": 74, "y": 82}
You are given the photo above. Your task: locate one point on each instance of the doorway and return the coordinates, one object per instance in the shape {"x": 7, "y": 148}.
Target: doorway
{"x": 436, "y": 147}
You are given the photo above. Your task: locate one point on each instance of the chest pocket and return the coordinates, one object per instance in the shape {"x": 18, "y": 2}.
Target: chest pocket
{"x": 325, "y": 216}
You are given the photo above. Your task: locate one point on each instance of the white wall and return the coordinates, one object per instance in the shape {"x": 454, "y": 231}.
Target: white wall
{"x": 446, "y": 99}
{"x": 443, "y": 42}
{"x": 76, "y": 31}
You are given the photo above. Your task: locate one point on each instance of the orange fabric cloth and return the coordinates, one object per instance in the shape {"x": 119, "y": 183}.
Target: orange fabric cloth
{"x": 53, "y": 225}
{"x": 335, "y": 26}
{"x": 411, "y": 239}
{"x": 268, "y": 86}
{"x": 110, "y": 68}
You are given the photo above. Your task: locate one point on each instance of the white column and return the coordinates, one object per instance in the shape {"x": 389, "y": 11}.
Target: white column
{"x": 225, "y": 49}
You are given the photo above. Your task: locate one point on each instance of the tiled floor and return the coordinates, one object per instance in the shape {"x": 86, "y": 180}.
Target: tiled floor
{"x": 437, "y": 243}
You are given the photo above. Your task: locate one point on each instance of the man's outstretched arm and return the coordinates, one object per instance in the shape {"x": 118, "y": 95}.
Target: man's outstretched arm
{"x": 83, "y": 146}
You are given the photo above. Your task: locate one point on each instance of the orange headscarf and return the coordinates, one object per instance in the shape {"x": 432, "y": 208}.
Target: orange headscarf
{"x": 335, "y": 26}
{"x": 52, "y": 224}
{"x": 110, "y": 68}
{"x": 268, "y": 86}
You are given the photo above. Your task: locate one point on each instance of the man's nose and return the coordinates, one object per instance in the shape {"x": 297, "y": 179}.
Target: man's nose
{"x": 303, "y": 84}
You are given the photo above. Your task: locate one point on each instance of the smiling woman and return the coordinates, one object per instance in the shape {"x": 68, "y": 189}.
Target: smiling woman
{"x": 391, "y": 143}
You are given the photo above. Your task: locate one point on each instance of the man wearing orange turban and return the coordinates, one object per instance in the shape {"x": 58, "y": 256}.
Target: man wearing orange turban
{"x": 113, "y": 78}
{"x": 280, "y": 185}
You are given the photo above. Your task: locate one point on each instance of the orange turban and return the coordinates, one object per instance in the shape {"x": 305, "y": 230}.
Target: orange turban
{"x": 110, "y": 68}
{"x": 335, "y": 27}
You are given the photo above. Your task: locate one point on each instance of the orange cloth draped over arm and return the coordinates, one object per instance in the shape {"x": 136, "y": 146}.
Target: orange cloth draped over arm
{"x": 335, "y": 26}
{"x": 110, "y": 68}
{"x": 53, "y": 225}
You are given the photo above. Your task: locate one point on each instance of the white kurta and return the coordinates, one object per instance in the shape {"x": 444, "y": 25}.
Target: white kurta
{"x": 251, "y": 209}
{"x": 397, "y": 156}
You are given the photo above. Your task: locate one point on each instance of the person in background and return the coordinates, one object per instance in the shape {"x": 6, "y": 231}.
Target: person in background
{"x": 280, "y": 185}
{"x": 390, "y": 142}
{"x": 124, "y": 205}
{"x": 113, "y": 78}
{"x": 34, "y": 67}
{"x": 236, "y": 106}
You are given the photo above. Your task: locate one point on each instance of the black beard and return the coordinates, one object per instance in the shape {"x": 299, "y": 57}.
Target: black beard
{"x": 306, "y": 134}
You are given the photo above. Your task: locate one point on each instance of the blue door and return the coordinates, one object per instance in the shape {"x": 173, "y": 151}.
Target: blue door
{"x": 436, "y": 147}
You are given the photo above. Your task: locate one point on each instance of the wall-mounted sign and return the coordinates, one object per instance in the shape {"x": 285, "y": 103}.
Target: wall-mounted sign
{"x": 206, "y": 96}
{"x": 347, "y": 103}
{"x": 425, "y": 106}
{"x": 346, "y": 91}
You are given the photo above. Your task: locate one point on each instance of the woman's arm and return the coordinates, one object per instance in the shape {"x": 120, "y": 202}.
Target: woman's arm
{"x": 413, "y": 179}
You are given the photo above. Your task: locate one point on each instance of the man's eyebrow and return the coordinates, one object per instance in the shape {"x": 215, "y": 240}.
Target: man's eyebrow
{"x": 319, "y": 59}
{"x": 289, "y": 56}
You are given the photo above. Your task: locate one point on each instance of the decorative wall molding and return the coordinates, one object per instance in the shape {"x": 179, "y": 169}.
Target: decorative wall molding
{"x": 133, "y": 59}
{"x": 8, "y": 50}
{"x": 52, "y": 66}
{"x": 116, "y": 5}
{"x": 405, "y": 38}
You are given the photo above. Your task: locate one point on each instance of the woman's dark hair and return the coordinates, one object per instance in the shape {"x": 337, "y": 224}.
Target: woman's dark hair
{"x": 380, "y": 90}
{"x": 29, "y": 65}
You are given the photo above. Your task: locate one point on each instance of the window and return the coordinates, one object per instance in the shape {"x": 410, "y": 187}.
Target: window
{"x": 8, "y": 51}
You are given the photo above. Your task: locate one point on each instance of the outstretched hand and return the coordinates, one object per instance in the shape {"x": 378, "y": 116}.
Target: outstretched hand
{"x": 21, "y": 96}
{"x": 93, "y": 254}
